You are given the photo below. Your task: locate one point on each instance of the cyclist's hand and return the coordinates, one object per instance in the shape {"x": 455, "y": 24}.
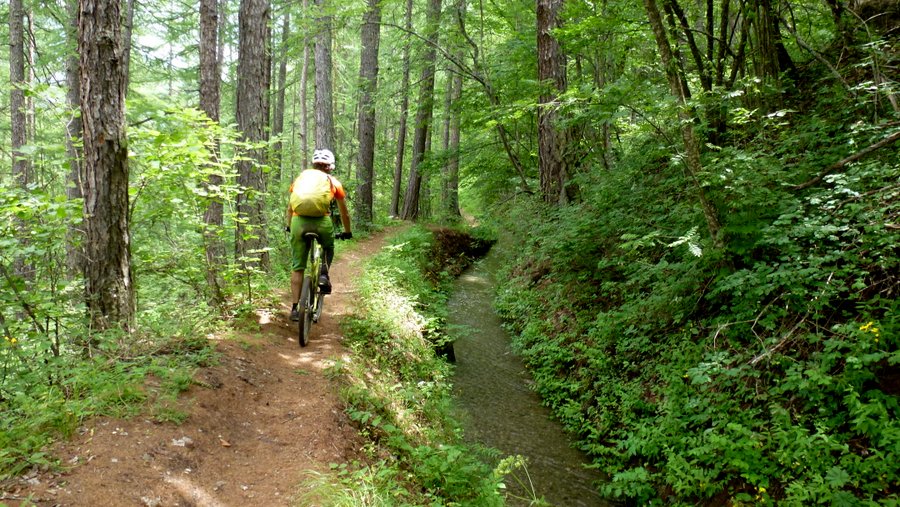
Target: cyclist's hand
{"x": 287, "y": 228}
{"x": 344, "y": 235}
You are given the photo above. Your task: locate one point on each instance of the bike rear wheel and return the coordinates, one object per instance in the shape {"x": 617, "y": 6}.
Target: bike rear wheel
{"x": 310, "y": 306}
{"x": 306, "y": 311}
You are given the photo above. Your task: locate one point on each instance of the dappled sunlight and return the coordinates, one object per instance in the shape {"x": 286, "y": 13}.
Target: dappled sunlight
{"x": 315, "y": 359}
{"x": 193, "y": 493}
{"x": 265, "y": 316}
{"x": 474, "y": 280}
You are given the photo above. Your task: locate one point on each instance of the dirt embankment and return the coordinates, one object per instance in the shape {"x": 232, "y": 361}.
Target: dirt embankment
{"x": 260, "y": 421}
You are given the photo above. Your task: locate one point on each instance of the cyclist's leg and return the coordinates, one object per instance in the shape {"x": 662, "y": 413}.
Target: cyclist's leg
{"x": 326, "y": 239}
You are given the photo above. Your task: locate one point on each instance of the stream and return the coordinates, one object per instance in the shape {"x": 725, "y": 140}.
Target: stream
{"x": 498, "y": 408}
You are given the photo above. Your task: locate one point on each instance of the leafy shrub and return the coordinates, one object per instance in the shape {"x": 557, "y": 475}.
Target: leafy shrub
{"x": 761, "y": 373}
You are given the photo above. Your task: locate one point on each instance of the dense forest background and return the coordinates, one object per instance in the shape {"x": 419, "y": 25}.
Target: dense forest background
{"x": 698, "y": 198}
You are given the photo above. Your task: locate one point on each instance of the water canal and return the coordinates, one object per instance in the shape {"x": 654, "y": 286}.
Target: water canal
{"x": 498, "y": 407}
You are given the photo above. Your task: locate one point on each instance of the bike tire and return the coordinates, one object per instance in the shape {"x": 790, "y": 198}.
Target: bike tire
{"x": 316, "y": 259}
{"x": 306, "y": 313}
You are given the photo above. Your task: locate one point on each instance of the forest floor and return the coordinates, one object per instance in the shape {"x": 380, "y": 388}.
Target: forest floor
{"x": 260, "y": 422}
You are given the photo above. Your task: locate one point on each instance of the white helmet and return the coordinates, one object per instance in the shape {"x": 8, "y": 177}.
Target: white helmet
{"x": 323, "y": 157}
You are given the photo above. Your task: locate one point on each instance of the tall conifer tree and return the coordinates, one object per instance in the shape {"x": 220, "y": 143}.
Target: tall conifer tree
{"x": 107, "y": 268}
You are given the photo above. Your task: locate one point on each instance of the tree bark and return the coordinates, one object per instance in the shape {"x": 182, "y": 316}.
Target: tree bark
{"x": 324, "y": 95}
{"x": 127, "y": 26}
{"x": 552, "y": 139}
{"x": 109, "y": 288}
{"x": 404, "y": 114}
{"x": 304, "y": 124}
{"x": 423, "y": 112}
{"x": 278, "y": 120}
{"x": 445, "y": 138}
{"x": 21, "y": 167}
{"x": 691, "y": 146}
{"x": 252, "y": 119}
{"x": 368, "y": 85}
{"x": 223, "y": 30}
{"x": 209, "y": 104}
{"x": 773, "y": 57}
{"x": 452, "y": 201}
{"x": 30, "y": 79}
{"x": 74, "y": 234}
{"x": 22, "y": 170}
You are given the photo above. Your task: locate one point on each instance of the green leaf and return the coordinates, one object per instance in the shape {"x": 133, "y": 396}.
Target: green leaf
{"x": 837, "y": 477}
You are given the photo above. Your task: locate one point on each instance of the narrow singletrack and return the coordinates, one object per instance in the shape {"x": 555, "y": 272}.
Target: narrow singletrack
{"x": 259, "y": 422}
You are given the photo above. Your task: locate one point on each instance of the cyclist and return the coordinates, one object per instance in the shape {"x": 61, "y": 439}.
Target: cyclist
{"x": 308, "y": 210}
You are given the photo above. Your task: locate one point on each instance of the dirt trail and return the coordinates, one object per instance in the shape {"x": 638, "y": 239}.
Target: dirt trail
{"x": 265, "y": 417}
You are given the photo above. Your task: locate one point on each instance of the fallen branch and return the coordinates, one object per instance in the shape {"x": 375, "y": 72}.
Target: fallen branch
{"x": 864, "y": 195}
{"x": 781, "y": 343}
{"x": 852, "y": 158}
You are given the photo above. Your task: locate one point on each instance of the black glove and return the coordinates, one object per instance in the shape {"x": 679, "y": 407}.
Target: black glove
{"x": 344, "y": 235}
{"x": 287, "y": 228}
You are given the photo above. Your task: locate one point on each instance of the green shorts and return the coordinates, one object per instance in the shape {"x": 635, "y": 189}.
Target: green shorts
{"x": 299, "y": 250}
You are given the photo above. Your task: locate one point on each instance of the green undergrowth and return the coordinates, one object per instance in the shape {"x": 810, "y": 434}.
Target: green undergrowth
{"x": 766, "y": 372}
{"x": 398, "y": 388}
{"x": 47, "y": 401}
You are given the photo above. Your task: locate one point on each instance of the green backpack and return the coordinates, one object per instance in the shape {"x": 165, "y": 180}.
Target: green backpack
{"x": 312, "y": 193}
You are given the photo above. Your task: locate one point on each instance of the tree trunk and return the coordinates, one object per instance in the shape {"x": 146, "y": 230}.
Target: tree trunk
{"x": 74, "y": 234}
{"x": 842, "y": 29}
{"x": 773, "y": 57}
{"x": 452, "y": 202}
{"x": 252, "y": 119}
{"x": 687, "y": 120}
{"x": 423, "y": 112}
{"x": 223, "y": 31}
{"x": 552, "y": 139}
{"x": 404, "y": 114}
{"x": 368, "y": 85}
{"x": 209, "y": 104}
{"x": 278, "y": 120}
{"x": 450, "y": 180}
{"x": 425, "y": 187}
{"x": 109, "y": 289}
{"x": 324, "y": 95}
{"x": 304, "y": 123}
{"x": 21, "y": 166}
{"x": 22, "y": 170}
{"x": 127, "y": 25}
{"x": 30, "y": 79}
{"x": 445, "y": 139}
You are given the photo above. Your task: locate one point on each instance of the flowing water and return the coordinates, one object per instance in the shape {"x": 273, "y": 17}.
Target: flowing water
{"x": 498, "y": 407}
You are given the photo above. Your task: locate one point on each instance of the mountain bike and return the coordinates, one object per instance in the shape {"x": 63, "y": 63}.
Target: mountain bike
{"x": 311, "y": 299}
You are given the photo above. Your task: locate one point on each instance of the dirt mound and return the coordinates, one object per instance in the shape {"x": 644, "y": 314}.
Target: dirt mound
{"x": 454, "y": 250}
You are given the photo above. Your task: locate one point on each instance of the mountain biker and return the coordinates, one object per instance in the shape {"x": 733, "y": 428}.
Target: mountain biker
{"x": 308, "y": 210}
